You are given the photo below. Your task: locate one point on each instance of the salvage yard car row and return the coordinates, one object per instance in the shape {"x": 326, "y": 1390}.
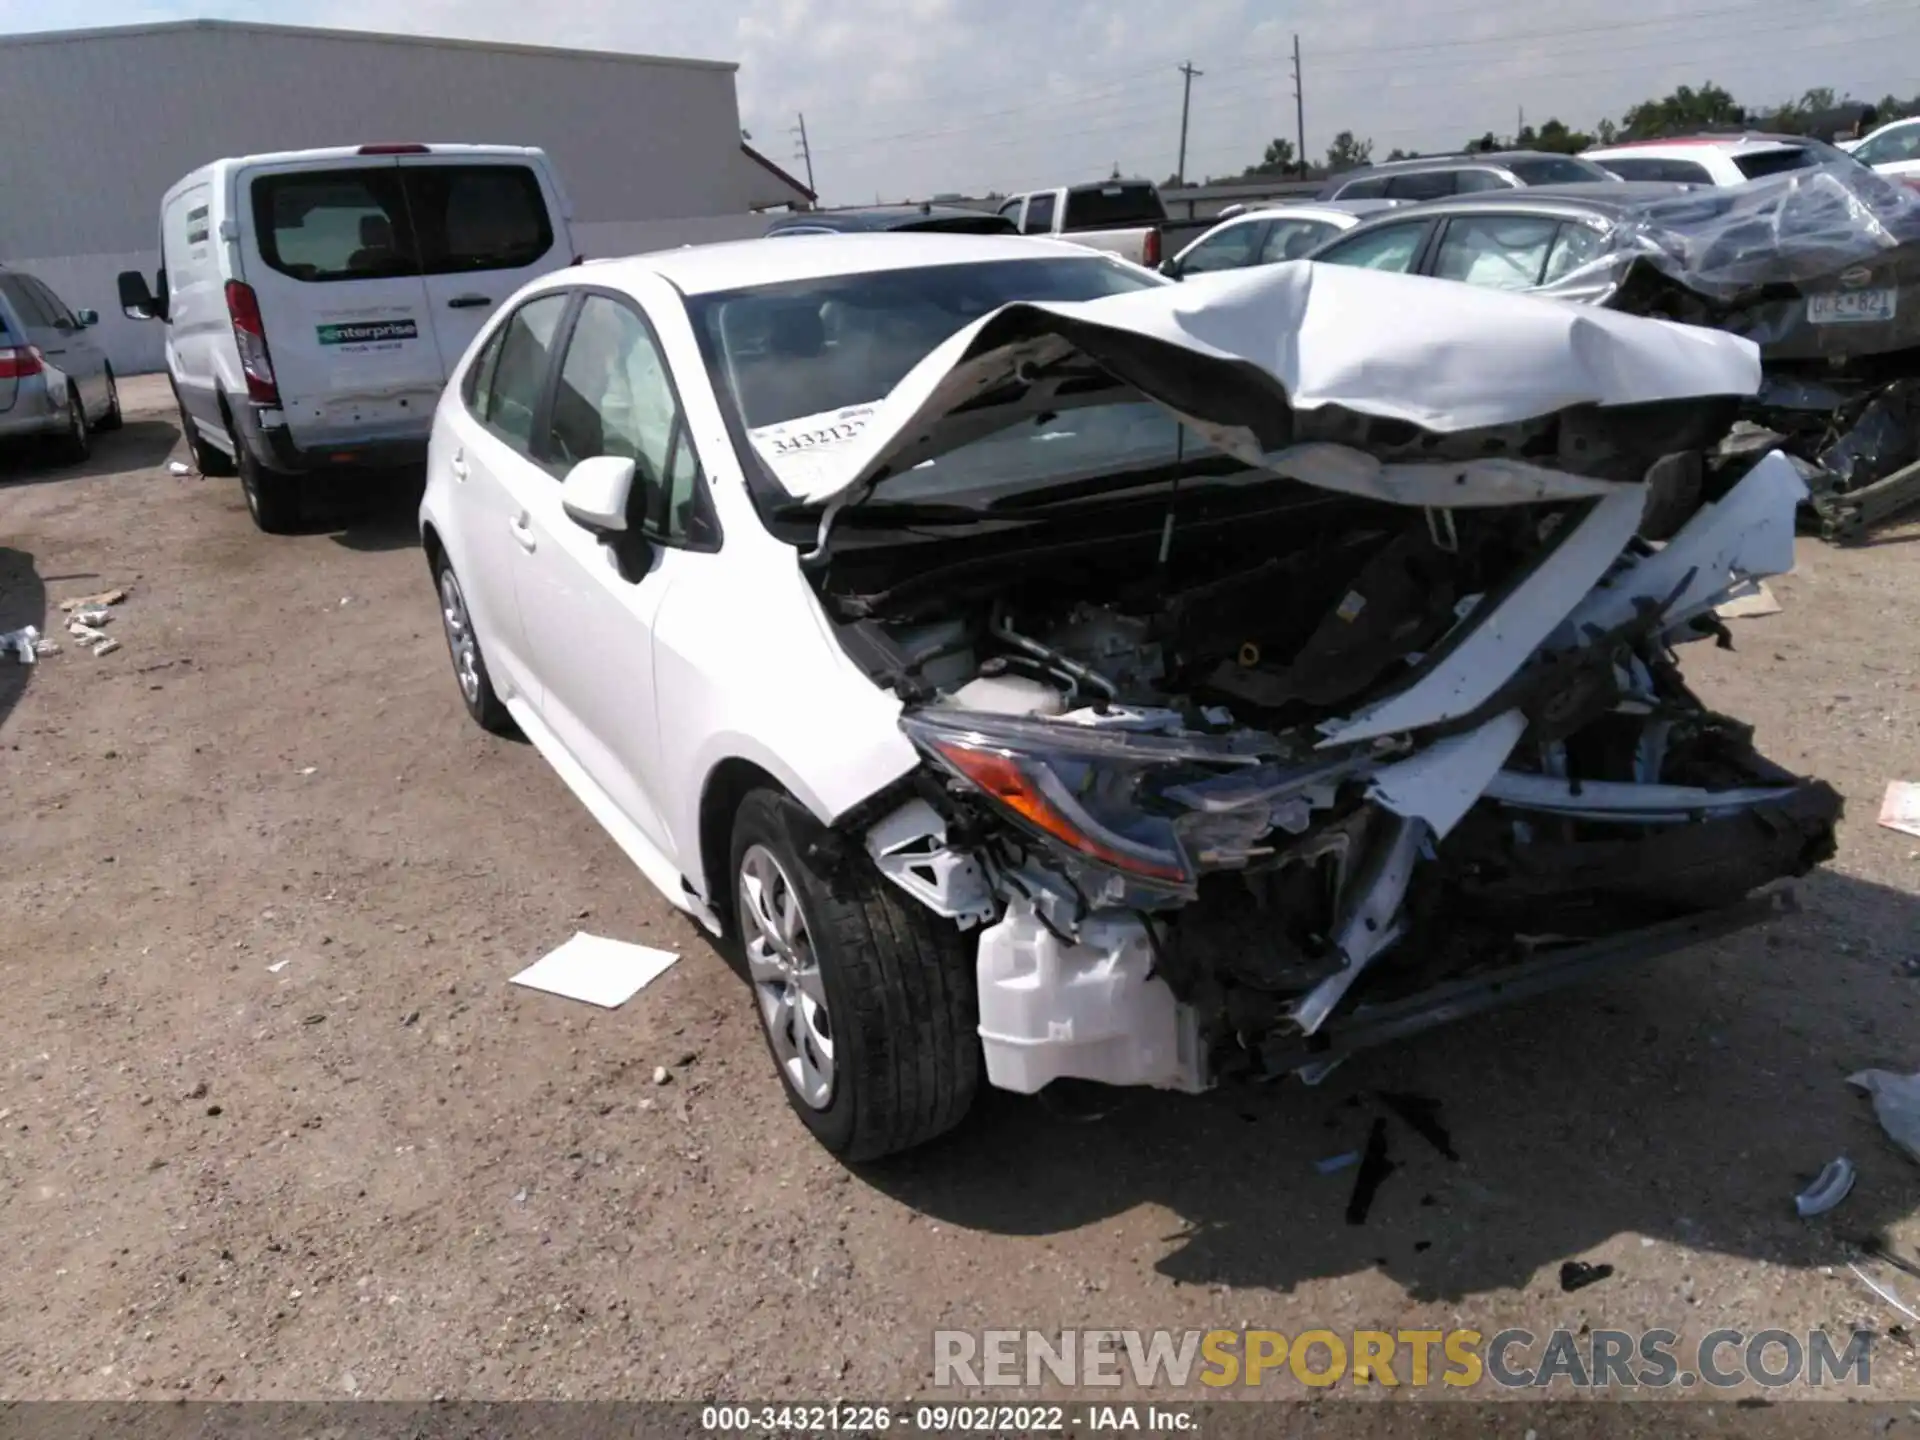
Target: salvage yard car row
{"x": 1039, "y": 667}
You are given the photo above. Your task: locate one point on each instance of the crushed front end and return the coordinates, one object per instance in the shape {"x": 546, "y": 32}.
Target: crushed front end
{"x": 1360, "y": 711}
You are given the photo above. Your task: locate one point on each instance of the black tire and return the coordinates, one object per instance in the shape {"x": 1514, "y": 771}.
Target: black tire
{"x": 76, "y": 441}
{"x": 273, "y": 497}
{"x": 113, "y": 419}
{"x": 207, "y": 459}
{"x": 902, "y": 1005}
{"x": 483, "y": 705}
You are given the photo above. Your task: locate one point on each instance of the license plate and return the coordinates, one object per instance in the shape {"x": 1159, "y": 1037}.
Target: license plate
{"x": 1847, "y": 307}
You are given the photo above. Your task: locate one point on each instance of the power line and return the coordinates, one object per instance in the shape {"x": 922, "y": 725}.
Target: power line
{"x": 1299, "y": 108}
{"x": 805, "y": 152}
{"x": 1187, "y": 73}
{"x": 1133, "y": 100}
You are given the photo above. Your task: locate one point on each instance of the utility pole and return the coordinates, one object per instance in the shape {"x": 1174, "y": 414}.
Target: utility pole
{"x": 805, "y": 153}
{"x": 1186, "y": 98}
{"x": 1299, "y": 109}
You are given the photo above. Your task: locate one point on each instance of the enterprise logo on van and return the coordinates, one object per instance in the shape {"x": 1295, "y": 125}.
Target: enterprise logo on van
{"x": 367, "y": 333}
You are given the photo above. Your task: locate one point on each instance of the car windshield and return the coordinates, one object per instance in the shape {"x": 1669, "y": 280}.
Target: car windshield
{"x": 1557, "y": 170}
{"x": 804, "y": 362}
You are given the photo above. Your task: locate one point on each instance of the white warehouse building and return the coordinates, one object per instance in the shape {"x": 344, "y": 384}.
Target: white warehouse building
{"x": 100, "y": 122}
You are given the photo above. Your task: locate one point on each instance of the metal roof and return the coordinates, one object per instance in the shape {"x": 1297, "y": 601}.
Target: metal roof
{"x": 317, "y": 32}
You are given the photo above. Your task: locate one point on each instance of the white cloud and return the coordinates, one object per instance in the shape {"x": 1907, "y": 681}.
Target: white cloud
{"x": 910, "y": 97}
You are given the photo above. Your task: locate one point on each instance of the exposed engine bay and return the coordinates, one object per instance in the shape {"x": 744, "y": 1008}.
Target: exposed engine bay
{"x": 1206, "y": 783}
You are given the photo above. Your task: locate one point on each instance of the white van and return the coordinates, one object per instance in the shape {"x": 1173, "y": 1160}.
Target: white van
{"x": 316, "y": 300}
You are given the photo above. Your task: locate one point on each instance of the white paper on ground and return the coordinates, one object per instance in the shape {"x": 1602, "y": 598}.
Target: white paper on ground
{"x": 1900, "y": 807}
{"x": 597, "y": 970}
{"x": 1759, "y": 601}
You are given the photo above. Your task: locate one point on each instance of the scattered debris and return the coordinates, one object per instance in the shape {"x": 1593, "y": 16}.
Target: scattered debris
{"x": 662, "y": 1075}
{"x": 1578, "y": 1274}
{"x": 1900, "y": 807}
{"x": 22, "y": 643}
{"x": 310, "y": 770}
{"x": 1885, "y": 1290}
{"x": 1335, "y": 1163}
{"x": 597, "y": 970}
{"x": 179, "y": 467}
{"x": 1375, "y": 1167}
{"x": 1749, "y": 606}
{"x": 92, "y": 602}
{"x": 1422, "y": 1116}
{"x": 106, "y": 646}
{"x": 278, "y": 966}
{"x": 1896, "y": 1103}
{"x": 92, "y": 615}
{"x": 1830, "y": 1187}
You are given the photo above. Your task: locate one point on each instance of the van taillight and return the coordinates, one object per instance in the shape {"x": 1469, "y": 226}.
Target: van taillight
{"x": 1150, "y": 252}
{"x": 19, "y": 361}
{"x": 243, "y": 307}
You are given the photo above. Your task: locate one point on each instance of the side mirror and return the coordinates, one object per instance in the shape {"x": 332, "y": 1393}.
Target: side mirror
{"x": 136, "y": 300}
{"x": 595, "y": 494}
{"x": 87, "y": 317}
{"x": 1170, "y": 268}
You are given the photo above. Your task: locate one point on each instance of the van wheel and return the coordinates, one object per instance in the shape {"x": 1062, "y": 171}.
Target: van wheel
{"x": 206, "y": 458}
{"x": 112, "y": 420}
{"x": 273, "y": 499}
{"x": 867, "y": 1002}
{"x": 76, "y": 442}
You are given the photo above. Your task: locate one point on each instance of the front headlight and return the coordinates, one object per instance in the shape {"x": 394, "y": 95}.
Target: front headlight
{"x": 1095, "y": 792}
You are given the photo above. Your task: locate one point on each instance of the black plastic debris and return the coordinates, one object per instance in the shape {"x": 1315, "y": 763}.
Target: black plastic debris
{"x": 1578, "y": 1274}
{"x": 1375, "y": 1167}
{"x": 1421, "y": 1114}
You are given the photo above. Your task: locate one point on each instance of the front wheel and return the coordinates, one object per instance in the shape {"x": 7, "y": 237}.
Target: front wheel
{"x": 112, "y": 419}
{"x": 868, "y": 1003}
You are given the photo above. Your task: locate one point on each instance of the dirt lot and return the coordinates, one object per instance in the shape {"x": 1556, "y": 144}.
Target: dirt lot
{"x": 274, "y": 1124}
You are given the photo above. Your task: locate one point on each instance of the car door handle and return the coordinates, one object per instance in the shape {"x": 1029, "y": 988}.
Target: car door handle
{"x": 458, "y": 465}
{"x": 467, "y": 302}
{"x": 522, "y": 533}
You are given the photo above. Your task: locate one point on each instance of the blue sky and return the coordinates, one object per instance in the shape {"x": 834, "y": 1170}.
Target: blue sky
{"x": 910, "y": 97}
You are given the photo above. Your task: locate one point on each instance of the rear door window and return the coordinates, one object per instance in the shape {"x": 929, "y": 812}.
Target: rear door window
{"x": 1420, "y": 185}
{"x": 1391, "y": 247}
{"x": 1649, "y": 167}
{"x": 382, "y": 222}
{"x": 1293, "y": 239}
{"x": 1467, "y": 181}
{"x": 1374, "y": 187}
{"x": 1500, "y": 252}
{"x": 1227, "y": 249}
{"x": 1775, "y": 162}
{"x": 1113, "y": 207}
{"x": 511, "y": 397}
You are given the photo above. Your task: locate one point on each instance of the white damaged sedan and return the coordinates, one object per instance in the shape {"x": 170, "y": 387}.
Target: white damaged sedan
{"x": 1033, "y": 669}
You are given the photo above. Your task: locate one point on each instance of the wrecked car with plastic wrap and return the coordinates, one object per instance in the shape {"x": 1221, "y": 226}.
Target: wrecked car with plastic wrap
{"x": 1076, "y": 675}
{"x": 1820, "y": 267}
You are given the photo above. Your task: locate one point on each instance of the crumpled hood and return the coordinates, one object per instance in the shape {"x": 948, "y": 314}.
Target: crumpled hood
{"x": 1235, "y": 354}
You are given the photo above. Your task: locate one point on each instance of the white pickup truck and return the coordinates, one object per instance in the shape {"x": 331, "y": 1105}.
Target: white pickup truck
{"x": 1122, "y": 217}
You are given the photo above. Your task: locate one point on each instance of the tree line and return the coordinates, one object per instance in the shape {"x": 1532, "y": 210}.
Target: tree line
{"x": 1819, "y": 112}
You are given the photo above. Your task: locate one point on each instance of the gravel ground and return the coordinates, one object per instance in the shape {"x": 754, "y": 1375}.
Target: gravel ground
{"x": 274, "y": 1125}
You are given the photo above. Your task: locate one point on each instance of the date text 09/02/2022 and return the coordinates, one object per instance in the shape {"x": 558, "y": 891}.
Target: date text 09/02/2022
{"x": 942, "y": 1419}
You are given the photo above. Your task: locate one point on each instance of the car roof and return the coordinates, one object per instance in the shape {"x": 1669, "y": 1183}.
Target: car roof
{"x": 1457, "y": 161}
{"x": 1744, "y": 144}
{"x": 1562, "y": 201}
{"x": 883, "y": 217}
{"x": 774, "y": 260}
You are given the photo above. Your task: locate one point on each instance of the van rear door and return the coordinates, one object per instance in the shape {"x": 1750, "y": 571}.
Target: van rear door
{"x": 328, "y": 251}
{"x": 487, "y": 222}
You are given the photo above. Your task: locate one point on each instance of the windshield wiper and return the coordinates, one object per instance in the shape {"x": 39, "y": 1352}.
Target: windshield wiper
{"x": 892, "y": 512}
